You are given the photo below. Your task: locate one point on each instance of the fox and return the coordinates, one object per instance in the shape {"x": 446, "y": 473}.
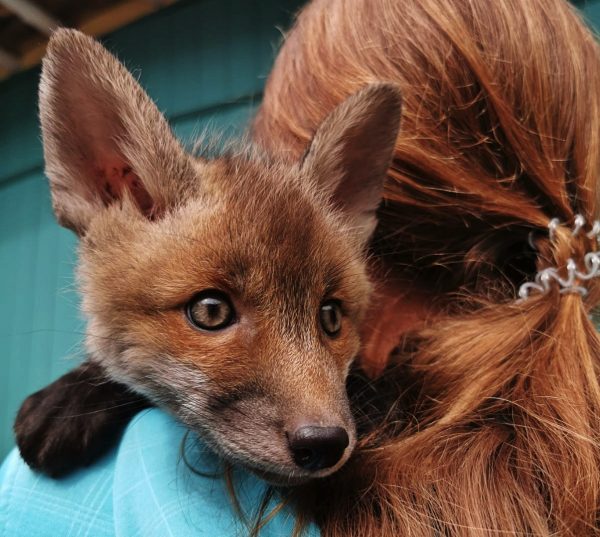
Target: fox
{"x": 227, "y": 290}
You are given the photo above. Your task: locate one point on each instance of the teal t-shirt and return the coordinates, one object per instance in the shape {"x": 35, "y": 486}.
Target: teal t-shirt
{"x": 141, "y": 488}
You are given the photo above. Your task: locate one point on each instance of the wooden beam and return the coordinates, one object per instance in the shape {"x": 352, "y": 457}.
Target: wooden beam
{"x": 33, "y": 15}
{"x": 99, "y": 23}
{"x": 112, "y": 18}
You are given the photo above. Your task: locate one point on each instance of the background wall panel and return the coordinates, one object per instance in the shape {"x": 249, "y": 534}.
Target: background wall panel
{"x": 591, "y": 11}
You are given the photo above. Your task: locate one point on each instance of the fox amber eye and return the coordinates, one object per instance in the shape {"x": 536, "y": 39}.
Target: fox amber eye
{"x": 211, "y": 310}
{"x": 330, "y": 316}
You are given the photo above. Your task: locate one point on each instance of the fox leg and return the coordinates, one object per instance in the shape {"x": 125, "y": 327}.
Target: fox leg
{"x": 74, "y": 420}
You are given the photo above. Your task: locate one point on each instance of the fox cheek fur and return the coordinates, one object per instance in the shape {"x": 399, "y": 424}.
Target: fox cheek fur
{"x": 278, "y": 241}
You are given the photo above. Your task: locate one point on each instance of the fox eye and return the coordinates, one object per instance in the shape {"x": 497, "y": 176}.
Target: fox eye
{"x": 210, "y": 310}
{"x": 330, "y": 316}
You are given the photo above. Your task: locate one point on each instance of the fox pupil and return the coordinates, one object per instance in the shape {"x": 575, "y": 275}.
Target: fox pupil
{"x": 210, "y": 310}
{"x": 331, "y": 318}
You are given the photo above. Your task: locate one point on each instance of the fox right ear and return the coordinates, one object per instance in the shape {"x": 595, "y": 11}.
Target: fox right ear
{"x": 104, "y": 138}
{"x": 352, "y": 150}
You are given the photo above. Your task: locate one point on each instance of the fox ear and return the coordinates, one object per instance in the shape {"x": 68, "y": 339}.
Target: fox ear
{"x": 103, "y": 136}
{"x": 352, "y": 150}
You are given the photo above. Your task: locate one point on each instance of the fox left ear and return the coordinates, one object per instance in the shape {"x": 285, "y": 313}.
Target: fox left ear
{"x": 352, "y": 151}
{"x": 104, "y": 139}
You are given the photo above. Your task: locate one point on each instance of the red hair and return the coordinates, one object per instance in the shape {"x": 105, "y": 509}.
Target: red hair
{"x": 487, "y": 420}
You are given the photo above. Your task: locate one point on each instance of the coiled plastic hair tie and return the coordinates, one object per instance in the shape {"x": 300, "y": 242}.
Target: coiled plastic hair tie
{"x": 547, "y": 277}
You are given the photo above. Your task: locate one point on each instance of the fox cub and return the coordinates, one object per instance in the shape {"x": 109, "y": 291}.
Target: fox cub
{"x": 227, "y": 291}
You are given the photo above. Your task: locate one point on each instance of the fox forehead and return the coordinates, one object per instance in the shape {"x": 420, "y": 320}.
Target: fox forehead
{"x": 252, "y": 230}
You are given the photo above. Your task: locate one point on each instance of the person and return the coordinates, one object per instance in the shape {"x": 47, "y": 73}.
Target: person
{"x": 487, "y": 418}
{"x": 481, "y": 416}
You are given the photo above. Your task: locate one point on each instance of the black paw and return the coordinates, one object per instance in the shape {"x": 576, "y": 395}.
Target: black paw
{"x": 74, "y": 420}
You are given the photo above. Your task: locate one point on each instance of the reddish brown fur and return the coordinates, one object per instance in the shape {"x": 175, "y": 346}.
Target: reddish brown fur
{"x": 278, "y": 236}
{"x": 493, "y": 410}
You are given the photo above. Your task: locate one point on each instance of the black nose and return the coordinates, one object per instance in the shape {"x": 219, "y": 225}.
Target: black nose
{"x": 315, "y": 448}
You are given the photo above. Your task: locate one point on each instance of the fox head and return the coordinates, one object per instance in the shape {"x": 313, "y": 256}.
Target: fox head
{"x": 228, "y": 291}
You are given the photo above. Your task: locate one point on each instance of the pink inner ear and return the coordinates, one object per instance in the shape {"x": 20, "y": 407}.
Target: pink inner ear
{"x": 113, "y": 176}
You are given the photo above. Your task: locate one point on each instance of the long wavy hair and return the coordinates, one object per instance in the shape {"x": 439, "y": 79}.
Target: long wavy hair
{"x": 487, "y": 419}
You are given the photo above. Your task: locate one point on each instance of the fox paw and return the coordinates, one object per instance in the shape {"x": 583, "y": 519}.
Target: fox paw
{"x": 74, "y": 421}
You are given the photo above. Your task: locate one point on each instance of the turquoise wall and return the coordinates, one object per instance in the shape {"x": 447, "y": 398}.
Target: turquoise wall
{"x": 590, "y": 10}
{"x": 205, "y": 63}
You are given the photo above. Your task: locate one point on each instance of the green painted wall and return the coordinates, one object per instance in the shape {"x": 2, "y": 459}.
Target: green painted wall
{"x": 590, "y": 10}
{"x": 205, "y": 63}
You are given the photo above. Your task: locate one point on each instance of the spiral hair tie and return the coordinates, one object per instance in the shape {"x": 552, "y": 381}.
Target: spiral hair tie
{"x": 545, "y": 278}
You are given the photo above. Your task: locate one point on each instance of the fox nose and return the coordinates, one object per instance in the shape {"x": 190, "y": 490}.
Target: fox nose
{"x": 315, "y": 448}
